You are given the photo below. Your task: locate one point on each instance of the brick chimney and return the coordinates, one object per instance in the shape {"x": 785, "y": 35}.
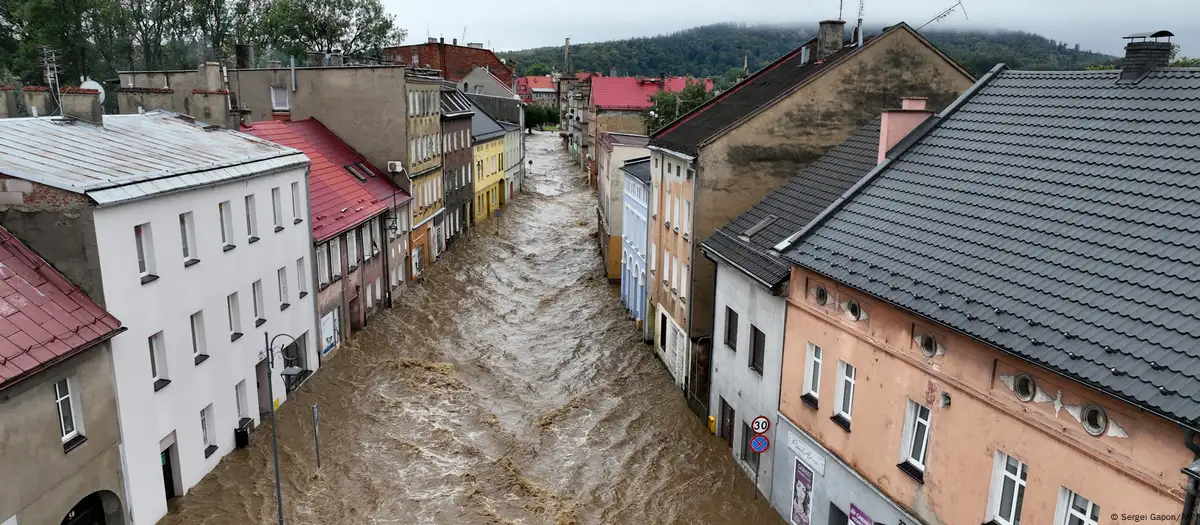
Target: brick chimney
{"x": 898, "y": 123}
{"x": 830, "y": 36}
{"x": 80, "y": 103}
{"x": 1144, "y": 53}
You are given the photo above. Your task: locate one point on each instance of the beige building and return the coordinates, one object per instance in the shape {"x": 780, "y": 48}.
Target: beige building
{"x": 712, "y": 164}
{"x": 612, "y": 153}
{"x": 423, "y": 173}
{"x": 59, "y": 439}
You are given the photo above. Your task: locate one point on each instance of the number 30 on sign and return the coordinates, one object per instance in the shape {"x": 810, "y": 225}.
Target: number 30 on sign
{"x": 760, "y": 425}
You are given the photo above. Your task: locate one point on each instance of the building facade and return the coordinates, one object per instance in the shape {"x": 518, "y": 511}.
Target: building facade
{"x": 487, "y": 143}
{"x": 458, "y": 162}
{"x": 453, "y": 60}
{"x": 60, "y": 444}
{"x": 740, "y": 156}
{"x": 614, "y": 151}
{"x": 537, "y": 90}
{"x": 481, "y": 81}
{"x": 616, "y": 105}
{"x": 514, "y": 159}
{"x": 164, "y": 251}
{"x": 422, "y": 177}
{"x": 635, "y": 196}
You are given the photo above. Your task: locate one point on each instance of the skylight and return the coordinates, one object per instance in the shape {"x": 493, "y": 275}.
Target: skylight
{"x": 761, "y": 224}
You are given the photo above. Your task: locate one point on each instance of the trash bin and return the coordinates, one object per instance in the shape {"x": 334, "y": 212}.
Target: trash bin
{"x": 241, "y": 434}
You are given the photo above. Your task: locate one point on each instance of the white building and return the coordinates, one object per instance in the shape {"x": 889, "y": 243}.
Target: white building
{"x": 750, "y": 302}
{"x": 198, "y": 239}
{"x": 514, "y": 159}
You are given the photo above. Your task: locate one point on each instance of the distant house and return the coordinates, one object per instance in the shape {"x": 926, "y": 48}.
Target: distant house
{"x": 455, "y": 61}
{"x": 537, "y": 90}
{"x": 458, "y": 161}
{"x": 487, "y": 142}
{"x": 615, "y": 149}
{"x": 481, "y": 81}
{"x": 716, "y": 161}
{"x": 636, "y": 195}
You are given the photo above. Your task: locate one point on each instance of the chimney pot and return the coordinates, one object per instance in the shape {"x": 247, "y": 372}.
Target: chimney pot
{"x": 897, "y": 124}
{"x": 913, "y": 103}
{"x": 454, "y": 42}
{"x": 830, "y": 37}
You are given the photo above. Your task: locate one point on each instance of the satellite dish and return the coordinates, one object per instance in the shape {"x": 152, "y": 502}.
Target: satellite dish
{"x": 92, "y": 84}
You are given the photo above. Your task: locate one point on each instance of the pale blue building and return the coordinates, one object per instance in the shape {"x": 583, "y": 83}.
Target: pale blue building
{"x": 633, "y": 236}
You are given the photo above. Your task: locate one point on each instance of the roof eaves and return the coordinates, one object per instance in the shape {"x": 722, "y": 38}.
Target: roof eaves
{"x": 786, "y": 244}
{"x": 712, "y": 252}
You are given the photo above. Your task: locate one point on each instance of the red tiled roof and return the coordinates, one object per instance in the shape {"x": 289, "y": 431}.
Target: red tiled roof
{"x": 538, "y": 82}
{"x": 631, "y": 93}
{"x": 44, "y": 318}
{"x": 338, "y": 200}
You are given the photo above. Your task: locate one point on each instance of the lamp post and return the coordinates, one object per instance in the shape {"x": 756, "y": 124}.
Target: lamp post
{"x": 286, "y": 372}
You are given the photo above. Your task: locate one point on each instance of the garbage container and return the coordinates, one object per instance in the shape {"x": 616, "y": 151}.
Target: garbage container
{"x": 241, "y": 434}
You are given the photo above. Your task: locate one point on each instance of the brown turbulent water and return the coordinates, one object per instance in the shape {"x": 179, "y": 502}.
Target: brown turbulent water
{"x": 510, "y": 387}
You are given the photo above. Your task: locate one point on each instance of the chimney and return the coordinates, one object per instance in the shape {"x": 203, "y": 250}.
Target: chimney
{"x": 432, "y": 40}
{"x": 80, "y": 103}
{"x": 1144, "y": 53}
{"x": 898, "y": 123}
{"x": 244, "y": 56}
{"x": 805, "y": 54}
{"x": 336, "y": 59}
{"x": 211, "y": 73}
{"x": 612, "y": 71}
{"x": 454, "y": 42}
{"x": 830, "y": 36}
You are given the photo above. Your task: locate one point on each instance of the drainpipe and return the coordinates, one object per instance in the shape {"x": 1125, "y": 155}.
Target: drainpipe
{"x": 1193, "y": 473}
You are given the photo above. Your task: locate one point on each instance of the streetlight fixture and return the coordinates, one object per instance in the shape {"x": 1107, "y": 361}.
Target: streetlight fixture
{"x": 290, "y": 371}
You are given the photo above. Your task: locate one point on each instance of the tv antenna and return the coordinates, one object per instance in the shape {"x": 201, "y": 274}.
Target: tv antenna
{"x": 947, "y": 12}
{"x": 464, "y": 38}
{"x": 50, "y": 70}
{"x": 841, "y": 3}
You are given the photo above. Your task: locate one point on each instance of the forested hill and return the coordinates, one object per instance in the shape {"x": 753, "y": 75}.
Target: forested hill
{"x": 713, "y": 50}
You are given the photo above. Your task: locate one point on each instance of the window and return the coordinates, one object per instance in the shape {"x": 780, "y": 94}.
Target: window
{"x": 758, "y": 349}
{"x": 683, "y": 283}
{"x": 199, "y": 348}
{"x": 145, "y": 252}
{"x": 675, "y": 213}
{"x": 843, "y": 406}
{"x": 68, "y": 410}
{"x": 239, "y": 394}
{"x": 158, "y": 361}
{"x": 812, "y": 373}
{"x": 226, "y": 212}
{"x": 1008, "y": 489}
{"x": 1074, "y": 509}
{"x": 335, "y": 257}
{"x": 279, "y": 98}
{"x": 235, "y": 316}
{"x": 323, "y": 264}
{"x": 369, "y": 239}
{"x": 352, "y": 170}
{"x": 915, "y": 443}
{"x": 281, "y": 275}
{"x": 251, "y": 219}
{"x": 256, "y": 291}
{"x": 301, "y": 277}
{"x": 207, "y": 432}
{"x": 748, "y": 454}
{"x": 277, "y": 208}
{"x": 731, "y": 328}
{"x": 352, "y": 249}
{"x": 187, "y": 235}
{"x": 296, "y": 203}
{"x": 687, "y": 216}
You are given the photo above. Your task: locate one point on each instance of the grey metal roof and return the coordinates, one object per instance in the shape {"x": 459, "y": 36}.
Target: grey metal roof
{"x": 133, "y": 156}
{"x": 638, "y": 168}
{"x": 483, "y": 126}
{"x": 455, "y": 104}
{"x": 1052, "y": 215}
{"x": 792, "y": 206}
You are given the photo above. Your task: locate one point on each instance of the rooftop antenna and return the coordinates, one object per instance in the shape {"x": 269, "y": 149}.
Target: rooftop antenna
{"x": 946, "y": 12}
{"x": 841, "y": 3}
{"x": 859, "y": 28}
{"x": 464, "y": 38}
{"x": 50, "y": 70}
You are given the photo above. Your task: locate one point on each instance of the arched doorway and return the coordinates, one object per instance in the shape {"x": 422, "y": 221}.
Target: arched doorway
{"x": 98, "y": 508}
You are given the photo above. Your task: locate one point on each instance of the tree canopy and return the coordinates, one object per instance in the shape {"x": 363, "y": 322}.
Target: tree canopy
{"x": 666, "y": 106}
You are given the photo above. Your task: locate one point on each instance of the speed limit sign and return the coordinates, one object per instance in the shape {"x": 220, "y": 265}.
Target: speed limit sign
{"x": 760, "y": 425}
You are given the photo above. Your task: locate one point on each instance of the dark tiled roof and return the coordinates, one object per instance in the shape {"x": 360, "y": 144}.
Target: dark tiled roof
{"x": 455, "y": 104}
{"x": 638, "y": 168}
{"x": 483, "y": 126}
{"x": 1054, "y": 215}
{"x": 44, "y": 318}
{"x": 746, "y": 98}
{"x": 610, "y": 138}
{"x": 793, "y": 206}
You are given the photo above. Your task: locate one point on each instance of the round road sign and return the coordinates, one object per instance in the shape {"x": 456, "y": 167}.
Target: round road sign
{"x": 760, "y": 444}
{"x": 760, "y": 425}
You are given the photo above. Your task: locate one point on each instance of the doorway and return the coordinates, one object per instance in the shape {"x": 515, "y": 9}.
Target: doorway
{"x": 264, "y": 394}
{"x": 727, "y": 419}
{"x": 169, "y": 458}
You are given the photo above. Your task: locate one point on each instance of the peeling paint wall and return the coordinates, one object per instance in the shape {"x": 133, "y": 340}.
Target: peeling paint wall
{"x": 1134, "y": 467}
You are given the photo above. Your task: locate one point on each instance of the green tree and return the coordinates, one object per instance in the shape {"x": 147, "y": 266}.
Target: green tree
{"x": 535, "y": 116}
{"x": 666, "y": 106}
{"x": 537, "y": 69}
{"x": 359, "y": 28}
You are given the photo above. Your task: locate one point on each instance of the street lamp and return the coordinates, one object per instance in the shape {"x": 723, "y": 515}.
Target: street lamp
{"x": 290, "y": 371}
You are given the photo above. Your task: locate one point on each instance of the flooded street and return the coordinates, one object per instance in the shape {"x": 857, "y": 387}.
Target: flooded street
{"x": 510, "y": 387}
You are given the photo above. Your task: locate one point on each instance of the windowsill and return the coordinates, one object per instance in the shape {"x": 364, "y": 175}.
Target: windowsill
{"x": 209, "y": 451}
{"x": 278, "y": 229}
{"x": 336, "y": 278}
{"x": 912, "y": 471}
{"x": 245, "y": 422}
{"x": 303, "y": 294}
{"x": 685, "y": 236}
{"x": 352, "y": 268}
{"x": 252, "y": 240}
{"x": 200, "y": 358}
{"x": 228, "y": 247}
{"x": 676, "y": 229}
{"x": 321, "y": 286}
{"x": 235, "y": 336}
{"x": 259, "y": 322}
{"x": 732, "y": 348}
{"x": 161, "y": 384}
{"x": 757, "y": 370}
{"x": 73, "y": 443}
{"x": 841, "y": 421}
{"x": 284, "y": 306}
{"x": 149, "y": 278}
{"x": 297, "y": 221}
{"x": 190, "y": 262}
{"x": 809, "y": 400}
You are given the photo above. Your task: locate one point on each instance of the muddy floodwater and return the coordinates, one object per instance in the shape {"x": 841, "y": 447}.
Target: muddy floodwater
{"x": 509, "y": 387}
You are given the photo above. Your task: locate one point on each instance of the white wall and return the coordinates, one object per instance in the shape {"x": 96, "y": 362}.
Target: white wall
{"x": 512, "y": 162}
{"x": 147, "y": 416}
{"x": 750, "y": 394}
{"x": 613, "y": 181}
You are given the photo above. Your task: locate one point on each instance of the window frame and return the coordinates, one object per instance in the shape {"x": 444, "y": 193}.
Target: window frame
{"x": 143, "y": 238}
{"x": 296, "y": 207}
{"x": 277, "y": 208}
{"x": 813, "y": 359}
{"x": 728, "y": 340}
{"x": 225, "y": 212}
{"x": 251, "y": 218}
{"x": 843, "y": 405}
{"x": 335, "y": 258}
{"x": 1000, "y": 475}
{"x": 301, "y": 278}
{"x": 749, "y": 456}
{"x": 352, "y": 248}
{"x": 256, "y": 294}
{"x": 1065, "y": 510}
{"x": 73, "y": 409}
{"x": 758, "y": 349}
{"x": 281, "y": 277}
{"x": 233, "y": 310}
{"x": 912, "y": 420}
{"x": 275, "y": 105}
{"x": 159, "y": 373}
{"x": 196, "y": 327}
{"x": 187, "y": 235}
{"x": 324, "y": 272}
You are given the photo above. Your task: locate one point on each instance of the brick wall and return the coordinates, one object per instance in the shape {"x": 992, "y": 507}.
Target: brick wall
{"x": 455, "y": 62}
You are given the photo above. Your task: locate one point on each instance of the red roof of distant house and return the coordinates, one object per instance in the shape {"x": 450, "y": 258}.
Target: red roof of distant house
{"x": 332, "y": 189}
{"x": 631, "y": 93}
{"x": 44, "y": 318}
{"x": 587, "y": 74}
{"x": 538, "y": 82}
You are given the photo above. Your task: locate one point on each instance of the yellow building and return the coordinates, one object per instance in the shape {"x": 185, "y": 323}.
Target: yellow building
{"x": 487, "y": 137}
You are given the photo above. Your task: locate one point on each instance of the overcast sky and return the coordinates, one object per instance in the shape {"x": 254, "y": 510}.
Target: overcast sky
{"x": 1094, "y": 24}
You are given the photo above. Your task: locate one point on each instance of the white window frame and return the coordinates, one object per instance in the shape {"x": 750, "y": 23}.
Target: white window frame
{"x": 683, "y": 282}
{"x": 278, "y": 94}
{"x": 187, "y": 236}
{"x": 913, "y": 420}
{"x": 196, "y": 325}
{"x": 847, "y": 374}
{"x": 251, "y": 217}
{"x": 256, "y": 293}
{"x": 234, "y": 313}
{"x": 277, "y": 206}
{"x": 158, "y": 357}
{"x": 143, "y": 238}
{"x": 281, "y": 276}
{"x": 207, "y": 432}
{"x": 301, "y": 277}
{"x": 1001, "y": 475}
{"x": 813, "y": 357}
{"x": 239, "y": 395}
{"x": 352, "y": 248}
{"x": 72, "y": 408}
{"x": 335, "y": 257}
{"x": 1065, "y": 511}
{"x": 296, "y": 208}
{"x": 225, "y": 210}
{"x": 324, "y": 274}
